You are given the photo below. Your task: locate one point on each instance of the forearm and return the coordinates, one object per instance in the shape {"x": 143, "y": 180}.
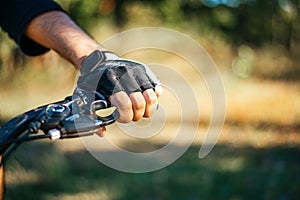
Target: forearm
{"x": 55, "y": 30}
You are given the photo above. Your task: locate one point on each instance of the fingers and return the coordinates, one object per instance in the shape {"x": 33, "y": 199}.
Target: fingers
{"x": 151, "y": 102}
{"x": 136, "y": 105}
{"x": 158, "y": 90}
{"x": 124, "y": 106}
{"x": 101, "y": 132}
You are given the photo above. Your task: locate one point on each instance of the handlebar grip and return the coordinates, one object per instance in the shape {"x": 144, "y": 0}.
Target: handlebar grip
{"x": 15, "y": 127}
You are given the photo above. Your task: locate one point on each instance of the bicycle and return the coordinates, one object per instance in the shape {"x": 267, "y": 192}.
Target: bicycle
{"x": 75, "y": 116}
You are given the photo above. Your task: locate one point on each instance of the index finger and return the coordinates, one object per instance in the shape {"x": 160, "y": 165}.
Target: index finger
{"x": 124, "y": 106}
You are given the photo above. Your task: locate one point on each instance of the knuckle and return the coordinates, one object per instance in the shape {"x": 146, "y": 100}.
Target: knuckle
{"x": 158, "y": 90}
{"x": 138, "y": 101}
{"x": 126, "y": 107}
{"x": 125, "y": 117}
{"x": 151, "y": 98}
{"x": 140, "y": 104}
{"x": 125, "y": 111}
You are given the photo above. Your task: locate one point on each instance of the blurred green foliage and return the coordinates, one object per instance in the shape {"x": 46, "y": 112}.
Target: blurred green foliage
{"x": 261, "y": 32}
{"x": 256, "y": 22}
{"x": 259, "y": 24}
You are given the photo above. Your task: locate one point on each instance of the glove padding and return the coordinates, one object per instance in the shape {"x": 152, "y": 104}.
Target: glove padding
{"x": 106, "y": 73}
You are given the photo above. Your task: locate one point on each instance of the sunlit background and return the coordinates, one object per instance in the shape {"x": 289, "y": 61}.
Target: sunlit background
{"x": 255, "y": 45}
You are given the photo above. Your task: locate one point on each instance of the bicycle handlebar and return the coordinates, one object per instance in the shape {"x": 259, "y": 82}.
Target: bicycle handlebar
{"x": 74, "y": 116}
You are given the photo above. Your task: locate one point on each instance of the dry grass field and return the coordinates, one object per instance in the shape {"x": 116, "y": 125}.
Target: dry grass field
{"x": 256, "y": 155}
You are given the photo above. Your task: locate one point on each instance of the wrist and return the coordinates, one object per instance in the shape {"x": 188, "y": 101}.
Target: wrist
{"x": 94, "y": 59}
{"x": 84, "y": 52}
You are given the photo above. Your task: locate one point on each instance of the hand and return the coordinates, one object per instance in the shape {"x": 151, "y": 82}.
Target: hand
{"x": 130, "y": 86}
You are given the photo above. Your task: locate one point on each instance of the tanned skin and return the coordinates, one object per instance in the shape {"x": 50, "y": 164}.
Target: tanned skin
{"x": 57, "y": 31}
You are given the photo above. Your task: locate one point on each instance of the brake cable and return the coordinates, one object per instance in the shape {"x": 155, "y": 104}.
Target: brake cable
{"x": 70, "y": 118}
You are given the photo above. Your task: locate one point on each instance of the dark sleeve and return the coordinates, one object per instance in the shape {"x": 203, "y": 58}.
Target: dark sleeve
{"x": 16, "y": 14}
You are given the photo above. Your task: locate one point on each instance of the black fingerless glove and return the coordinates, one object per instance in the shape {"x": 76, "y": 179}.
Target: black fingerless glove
{"x": 105, "y": 74}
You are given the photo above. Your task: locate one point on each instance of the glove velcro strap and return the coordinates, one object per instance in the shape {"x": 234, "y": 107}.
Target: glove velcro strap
{"x": 95, "y": 59}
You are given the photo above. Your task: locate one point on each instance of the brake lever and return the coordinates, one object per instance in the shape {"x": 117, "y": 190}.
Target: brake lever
{"x": 68, "y": 118}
